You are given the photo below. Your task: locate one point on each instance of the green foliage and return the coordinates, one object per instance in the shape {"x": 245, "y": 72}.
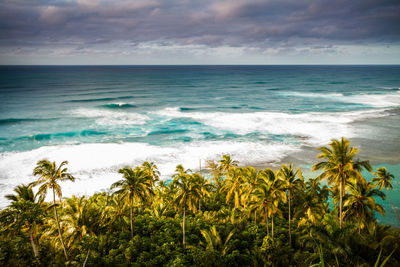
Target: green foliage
{"x": 241, "y": 216}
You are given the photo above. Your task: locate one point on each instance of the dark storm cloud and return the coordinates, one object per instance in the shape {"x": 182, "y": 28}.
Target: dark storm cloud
{"x": 213, "y": 23}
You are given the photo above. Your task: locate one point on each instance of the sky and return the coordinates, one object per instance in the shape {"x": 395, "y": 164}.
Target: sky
{"x": 115, "y": 32}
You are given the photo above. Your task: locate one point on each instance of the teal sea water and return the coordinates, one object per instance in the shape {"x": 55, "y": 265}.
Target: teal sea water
{"x": 103, "y": 118}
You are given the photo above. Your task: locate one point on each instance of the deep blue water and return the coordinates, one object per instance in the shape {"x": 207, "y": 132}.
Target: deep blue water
{"x": 102, "y": 118}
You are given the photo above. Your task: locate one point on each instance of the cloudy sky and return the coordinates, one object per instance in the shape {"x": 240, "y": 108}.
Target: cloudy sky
{"x": 199, "y": 32}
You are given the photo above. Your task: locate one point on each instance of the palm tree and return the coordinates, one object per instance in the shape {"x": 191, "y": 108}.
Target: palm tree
{"x": 180, "y": 171}
{"x": 49, "y": 176}
{"x": 233, "y": 185}
{"x": 311, "y": 211}
{"x": 115, "y": 209}
{"x": 252, "y": 177}
{"x": 384, "y": 180}
{"x": 186, "y": 196}
{"x": 227, "y": 163}
{"x": 267, "y": 197}
{"x": 25, "y": 209}
{"x": 313, "y": 185}
{"x": 214, "y": 241}
{"x": 340, "y": 167}
{"x": 379, "y": 235}
{"x": 336, "y": 240}
{"x": 81, "y": 218}
{"x": 136, "y": 186}
{"x": 24, "y": 192}
{"x": 360, "y": 203}
{"x": 215, "y": 171}
{"x": 151, "y": 170}
{"x": 203, "y": 185}
{"x": 292, "y": 180}
{"x": 313, "y": 203}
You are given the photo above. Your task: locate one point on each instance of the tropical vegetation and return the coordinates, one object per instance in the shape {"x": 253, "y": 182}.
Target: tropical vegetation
{"x": 224, "y": 215}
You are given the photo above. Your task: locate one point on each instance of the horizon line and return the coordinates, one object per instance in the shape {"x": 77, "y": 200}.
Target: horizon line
{"x": 116, "y": 65}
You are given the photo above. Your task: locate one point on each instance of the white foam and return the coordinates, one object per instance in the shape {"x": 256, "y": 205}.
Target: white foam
{"x": 376, "y": 100}
{"x": 373, "y": 100}
{"x": 95, "y": 165}
{"x": 318, "y": 128}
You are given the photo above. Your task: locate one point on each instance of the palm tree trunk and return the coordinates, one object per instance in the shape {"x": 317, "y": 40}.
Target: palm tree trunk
{"x": 255, "y": 217}
{"x": 290, "y": 232}
{"x": 340, "y": 204}
{"x": 58, "y": 226}
{"x": 272, "y": 227}
{"x": 87, "y": 257}
{"x": 33, "y": 245}
{"x": 131, "y": 217}
{"x": 183, "y": 227}
{"x": 387, "y": 193}
{"x": 237, "y": 200}
{"x": 267, "y": 226}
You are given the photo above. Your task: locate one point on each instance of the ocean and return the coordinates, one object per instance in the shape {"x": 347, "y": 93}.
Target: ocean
{"x": 102, "y": 118}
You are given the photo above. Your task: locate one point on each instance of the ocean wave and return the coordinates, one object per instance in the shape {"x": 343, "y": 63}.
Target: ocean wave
{"x": 118, "y": 106}
{"x": 373, "y": 100}
{"x": 167, "y": 131}
{"x": 391, "y": 88}
{"x": 314, "y": 128}
{"x": 187, "y": 109}
{"x": 109, "y": 117}
{"x": 21, "y": 120}
{"x": 95, "y": 165}
{"x": 183, "y": 121}
{"x": 98, "y": 99}
{"x": 50, "y": 136}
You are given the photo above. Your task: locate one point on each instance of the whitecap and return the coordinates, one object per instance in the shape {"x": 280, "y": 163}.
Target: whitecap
{"x": 373, "y": 100}
{"x": 319, "y": 128}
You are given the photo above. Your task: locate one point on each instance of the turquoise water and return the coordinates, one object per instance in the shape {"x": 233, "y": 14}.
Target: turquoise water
{"x": 103, "y": 118}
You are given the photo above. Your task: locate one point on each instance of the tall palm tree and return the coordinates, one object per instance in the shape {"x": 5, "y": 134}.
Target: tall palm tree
{"x": 49, "y": 177}
{"x": 215, "y": 171}
{"x": 186, "y": 197}
{"x": 77, "y": 220}
{"x": 81, "y": 218}
{"x": 203, "y": 185}
{"x": 383, "y": 179}
{"x": 115, "y": 209}
{"x": 311, "y": 211}
{"x": 151, "y": 170}
{"x": 291, "y": 180}
{"x": 227, "y": 163}
{"x": 252, "y": 177}
{"x": 137, "y": 185}
{"x": 339, "y": 167}
{"x": 313, "y": 205}
{"x": 360, "y": 203}
{"x": 25, "y": 209}
{"x": 267, "y": 196}
{"x": 233, "y": 185}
